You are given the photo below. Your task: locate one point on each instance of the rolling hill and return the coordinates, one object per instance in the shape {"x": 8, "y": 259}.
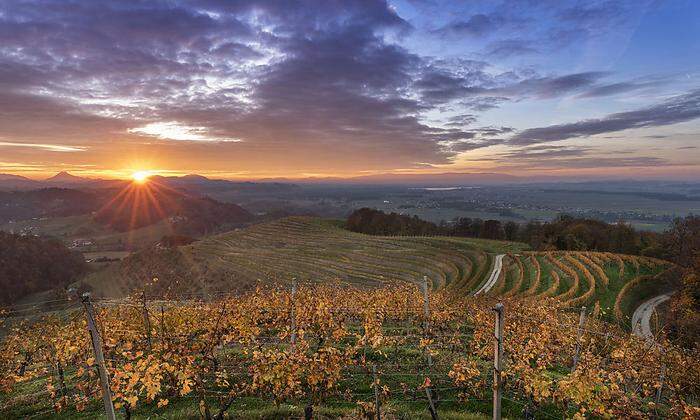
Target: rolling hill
{"x": 127, "y": 208}
{"x": 138, "y": 205}
{"x": 311, "y": 249}
{"x": 46, "y": 202}
{"x": 304, "y": 248}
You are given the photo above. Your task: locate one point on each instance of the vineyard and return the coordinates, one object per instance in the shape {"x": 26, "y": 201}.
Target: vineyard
{"x": 362, "y": 336}
{"x": 316, "y": 250}
{"x": 304, "y": 248}
{"x": 609, "y": 283}
{"x": 337, "y": 350}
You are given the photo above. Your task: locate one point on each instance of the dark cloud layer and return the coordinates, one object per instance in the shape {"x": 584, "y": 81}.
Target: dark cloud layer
{"x": 674, "y": 110}
{"x": 554, "y": 157}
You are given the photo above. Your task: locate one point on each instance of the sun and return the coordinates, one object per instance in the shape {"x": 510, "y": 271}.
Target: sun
{"x": 140, "y": 177}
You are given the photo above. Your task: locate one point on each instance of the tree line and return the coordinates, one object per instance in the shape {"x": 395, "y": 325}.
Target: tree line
{"x": 563, "y": 233}
{"x": 30, "y": 264}
{"x": 682, "y": 243}
{"x": 376, "y": 222}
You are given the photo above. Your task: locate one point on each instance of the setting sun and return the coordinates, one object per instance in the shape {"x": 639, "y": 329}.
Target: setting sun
{"x": 140, "y": 176}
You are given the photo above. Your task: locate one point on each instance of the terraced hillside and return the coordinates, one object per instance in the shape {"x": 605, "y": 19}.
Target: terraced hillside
{"x": 316, "y": 250}
{"x": 613, "y": 284}
{"x": 307, "y": 249}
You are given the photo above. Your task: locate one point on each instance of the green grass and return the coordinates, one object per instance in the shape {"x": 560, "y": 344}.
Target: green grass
{"x": 510, "y": 277}
{"x": 643, "y": 291}
{"x": 604, "y": 295}
{"x": 545, "y": 275}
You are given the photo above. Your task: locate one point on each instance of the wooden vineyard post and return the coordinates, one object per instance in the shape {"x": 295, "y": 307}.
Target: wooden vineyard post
{"x": 162, "y": 325}
{"x": 293, "y": 316}
{"x": 377, "y": 408}
{"x": 146, "y": 321}
{"x": 426, "y": 304}
{"x": 498, "y": 362}
{"x": 99, "y": 357}
{"x": 579, "y": 333}
{"x": 426, "y": 314}
{"x": 662, "y": 379}
{"x": 431, "y": 405}
{"x": 61, "y": 381}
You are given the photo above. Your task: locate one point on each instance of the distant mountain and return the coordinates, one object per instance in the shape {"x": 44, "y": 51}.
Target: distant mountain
{"x": 64, "y": 177}
{"x": 6, "y": 177}
{"x": 60, "y": 180}
{"x": 194, "y": 178}
{"x": 202, "y": 185}
{"x": 12, "y": 182}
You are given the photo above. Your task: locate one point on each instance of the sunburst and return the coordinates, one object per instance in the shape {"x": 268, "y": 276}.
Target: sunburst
{"x": 141, "y": 177}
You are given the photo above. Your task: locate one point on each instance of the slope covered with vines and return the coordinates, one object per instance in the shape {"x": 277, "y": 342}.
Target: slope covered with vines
{"x": 306, "y": 249}
{"x": 352, "y": 347}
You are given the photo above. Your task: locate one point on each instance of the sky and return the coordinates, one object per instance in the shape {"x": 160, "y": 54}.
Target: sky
{"x": 262, "y": 89}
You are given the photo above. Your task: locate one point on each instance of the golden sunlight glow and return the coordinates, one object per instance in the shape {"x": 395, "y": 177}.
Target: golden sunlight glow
{"x": 140, "y": 176}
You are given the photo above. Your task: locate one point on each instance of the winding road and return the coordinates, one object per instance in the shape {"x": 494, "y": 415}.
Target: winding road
{"x": 493, "y": 278}
{"x": 642, "y": 316}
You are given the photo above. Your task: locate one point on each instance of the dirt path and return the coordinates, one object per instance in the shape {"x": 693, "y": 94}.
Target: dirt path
{"x": 493, "y": 278}
{"x": 642, "y": 316}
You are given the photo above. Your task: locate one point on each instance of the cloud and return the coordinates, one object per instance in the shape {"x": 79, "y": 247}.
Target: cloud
{"x": 544, "y": 152}
{"x": 29, "y": 117}
{"x": 478, "y": 90}
{"x": 461, "y": 120}
{"x": 552, "y": 86}
{"x": 477, "y": 25}
{"x": 617, "y": 88}
{"x": 674, "y": 110}
{"x": 47, "y": 147}
{"x": 483, "y": 103}
{"x": 511, "y": 47}
{"x": 600, "y": 162}
{"x": 593, "y": 14}
{"x": 549, "y": 157}
{"x": 173, "y": 130}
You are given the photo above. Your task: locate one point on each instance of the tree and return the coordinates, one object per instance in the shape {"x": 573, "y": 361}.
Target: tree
{"x": 511, "y": 230}
{"x": 492, "y": 230}
{"x": 31, "y": 264}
